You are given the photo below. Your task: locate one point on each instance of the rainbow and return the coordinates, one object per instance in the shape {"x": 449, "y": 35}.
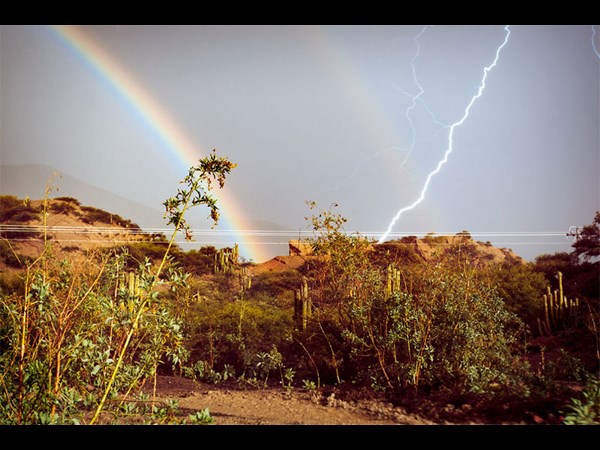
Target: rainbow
{"x": 379, "y": 125}
{"x": 155, "y": 115}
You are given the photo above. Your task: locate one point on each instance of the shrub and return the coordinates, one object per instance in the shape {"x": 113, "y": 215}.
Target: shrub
{"x": 139, "y": 251}
{"x": 7, "y": 203}
{"x": 93, "y": 215}
{"x": 197, "y": 262}
{"x": 521, "y": 288}
{"x": 93, "y": 330}
{"x": 451, "y": 333}
{"x": 432, "y": 238}
{"x": 76, "y": 324}
{"x": 16, "y": 211}
{"x": 62, "y": 207}
{"x": 10, "y": 258}
{"x": 69, "y": 200}
{"x": 400, "y": 252}
{"x": 275, "y": 284}
{"x": 585, "y": 410}
{"x": 438, "y": 328}
{"x": 230, "y": 332}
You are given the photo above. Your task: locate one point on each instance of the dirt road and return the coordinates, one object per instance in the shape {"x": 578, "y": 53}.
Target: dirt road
{"x": 278, "y": 407}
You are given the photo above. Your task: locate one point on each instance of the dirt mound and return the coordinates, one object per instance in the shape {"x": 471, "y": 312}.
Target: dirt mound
{"x": 280, "y": 264}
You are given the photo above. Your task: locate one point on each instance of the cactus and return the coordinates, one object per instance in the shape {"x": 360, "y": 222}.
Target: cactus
{"x": 392, "y": 281}
{"x": 133, "y": 283}
{"x": 302, "y": 305}
{"x": 245, "y": 280}
{"x": 226, "y": 259}
{"x": 559, "y": 311}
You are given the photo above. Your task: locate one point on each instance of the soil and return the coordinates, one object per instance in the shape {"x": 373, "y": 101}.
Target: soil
{"x": 276, "y": 406}
{"x": 230, "y": 404}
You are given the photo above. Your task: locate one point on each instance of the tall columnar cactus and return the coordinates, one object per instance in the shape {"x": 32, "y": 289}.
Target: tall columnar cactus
{"x": 245, "y": 280}
{"x": 392, "y": 281}
{"x": 302, "y": 305}
{"x": 226, "y": 259}
{"x": 134, "y": 284}
{"x": 559, "y": 311}
{"x": 129, "y": 282}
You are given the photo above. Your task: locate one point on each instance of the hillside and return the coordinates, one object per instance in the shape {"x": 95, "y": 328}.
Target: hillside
{"x": 406, "y": 250}
{"x": 432, "y": 247}
{"x": 70, "y": 226}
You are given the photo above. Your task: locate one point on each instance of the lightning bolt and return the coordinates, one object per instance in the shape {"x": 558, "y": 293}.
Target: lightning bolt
{"x": 413, "y": 104}
{"x": 593, "y": 41}
{"x": 416, "y": 98}
{"x": 443, "y": 161}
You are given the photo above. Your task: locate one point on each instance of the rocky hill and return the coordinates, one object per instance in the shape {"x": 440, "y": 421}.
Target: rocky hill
{"x": 408, "y": 249}
{"x": 69, "y": 226}
{"x": 461, "y": 245}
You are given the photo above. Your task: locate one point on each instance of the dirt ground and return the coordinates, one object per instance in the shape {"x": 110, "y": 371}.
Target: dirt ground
{"x": 275, "y": 406}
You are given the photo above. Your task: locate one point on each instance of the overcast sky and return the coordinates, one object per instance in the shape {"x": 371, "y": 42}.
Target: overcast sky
{"x": 320, "y": 113}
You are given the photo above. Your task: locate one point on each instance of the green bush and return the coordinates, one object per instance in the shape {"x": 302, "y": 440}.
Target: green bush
{"x": 400, "y": 252}
{"x": 139, "y": 251}
{"x": 521, "y": 288}
{"x": 225, "y": 330}
{"x": 77, "y": 335}
{"x": 432, "y": 327}
{"x": 197, "y": 262}
{"x": 450, "y": 334}
{"x": 275, "y": 284}
{"x": 585, "y": 410}
{"x": 75, "y": 327}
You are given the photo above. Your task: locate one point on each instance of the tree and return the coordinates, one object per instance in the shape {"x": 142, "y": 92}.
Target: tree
{"x": 587, "y": 245}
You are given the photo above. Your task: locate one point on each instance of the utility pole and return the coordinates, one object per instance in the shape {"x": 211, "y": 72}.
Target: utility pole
{"x": 573, "y": 232}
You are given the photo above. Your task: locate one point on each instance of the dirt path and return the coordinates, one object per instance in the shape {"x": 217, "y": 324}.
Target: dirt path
{"x": 278, "y": 407}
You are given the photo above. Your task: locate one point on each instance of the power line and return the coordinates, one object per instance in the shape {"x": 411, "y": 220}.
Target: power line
{"x": 21, "y": 228}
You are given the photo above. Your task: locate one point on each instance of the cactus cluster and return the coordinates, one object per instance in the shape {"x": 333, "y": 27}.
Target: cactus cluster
{"x": 130, "y": 281}
{"x": 392, "y": 281}
{"x": 302, "y": 305}
{"x": 226, "y": 259}
{"x": 559, "y": 311}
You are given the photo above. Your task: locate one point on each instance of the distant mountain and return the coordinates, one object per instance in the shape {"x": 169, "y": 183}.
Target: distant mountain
{"x": 29, "y": 180}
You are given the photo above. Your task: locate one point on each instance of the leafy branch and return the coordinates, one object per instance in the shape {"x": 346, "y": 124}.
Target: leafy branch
{"x": 199, "y": 181}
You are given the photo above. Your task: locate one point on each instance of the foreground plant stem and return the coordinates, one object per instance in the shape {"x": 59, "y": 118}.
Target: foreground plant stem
{"x": 210, "y": 167}
{"x": 140, "y": 311}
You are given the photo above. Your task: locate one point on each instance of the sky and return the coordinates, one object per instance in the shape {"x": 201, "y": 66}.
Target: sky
{"x": 353, "y": 115}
